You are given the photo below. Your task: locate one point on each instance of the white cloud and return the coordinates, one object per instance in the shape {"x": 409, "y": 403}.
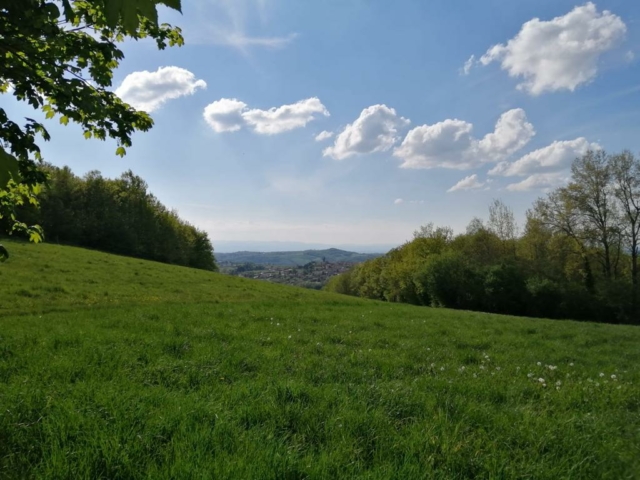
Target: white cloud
{"x": 242, "y": 41}
{"x": 630, "y": 56}
{"x": 512, "y": 132}
{"x": 375, "y": 130}
{"x": 241, "y": 24}
{"x": 467, "y": 183}
{"x": 445, "y": 144}
{"x": 398, "y": 201}
{"x": 468, "y": 65}
{"x": 559, "y": 54}
{"x": 324, "y": 135}
{"x": 554, "y": 157}
{"x": 149, "y": 90}
{"x": 539, "y": 181}
{"x": 284, "y": 118}
{"x": 230, "y": 115}
{"x": 450, "y": 144}
{"x": 225, "y": 115}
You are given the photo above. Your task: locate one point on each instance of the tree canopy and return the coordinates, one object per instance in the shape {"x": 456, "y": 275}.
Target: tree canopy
{"x": 577, "y": 256}
{"x": 59, "y": 57}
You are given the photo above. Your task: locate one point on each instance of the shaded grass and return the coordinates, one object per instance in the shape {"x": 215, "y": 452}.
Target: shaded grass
{"x": 251, "y": 380}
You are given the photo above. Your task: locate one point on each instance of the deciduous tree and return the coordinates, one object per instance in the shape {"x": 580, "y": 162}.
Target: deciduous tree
{"x": 59, "y": 56}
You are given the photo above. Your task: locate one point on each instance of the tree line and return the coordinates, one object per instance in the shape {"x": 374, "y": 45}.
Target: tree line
{"x": 575, "y": 258}
{"x": 118, "y": 216}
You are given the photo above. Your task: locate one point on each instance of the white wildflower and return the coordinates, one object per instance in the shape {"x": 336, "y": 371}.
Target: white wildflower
{"x": 541, "y": 380}
{"x": 539, "y": 363}
{"x": 613, "y": 377}
{"x": 601, "y": 374}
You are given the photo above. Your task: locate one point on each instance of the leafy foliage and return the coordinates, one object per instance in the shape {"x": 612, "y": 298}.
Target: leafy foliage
{"x": 118, "y": 216}
{"x": 59, "y": 57}
{"x": 577, "y": 256}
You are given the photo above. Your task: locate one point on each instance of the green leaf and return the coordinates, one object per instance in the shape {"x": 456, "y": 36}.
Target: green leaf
{"x": 35, "y": 236}
{"x": 112, "y": 9}
{"x": 130, "y": 20}
{"x": 64, "y": 120}
{"x": 175, "y": 4}
{"x": 68, "y": 10}
{"x": 8, "y": 168}
{"x": 52, "y": 10}
{"x": 120, "y": 151}
{"x": 87, "y": 134}
{"x": 148, "y": 10}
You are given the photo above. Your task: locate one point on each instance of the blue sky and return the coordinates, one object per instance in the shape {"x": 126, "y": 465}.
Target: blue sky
{"x": 415, "y": 137}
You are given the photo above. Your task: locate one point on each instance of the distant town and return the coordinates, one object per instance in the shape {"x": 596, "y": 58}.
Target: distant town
{"x": 312, "y": 275}
{"x": 287, "y": 267}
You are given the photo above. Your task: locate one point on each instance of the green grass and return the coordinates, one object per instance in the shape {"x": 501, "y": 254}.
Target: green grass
{"x": 119, "y": 368}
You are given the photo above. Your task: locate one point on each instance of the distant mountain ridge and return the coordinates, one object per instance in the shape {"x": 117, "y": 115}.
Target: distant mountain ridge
{"x": 330, "y": 255}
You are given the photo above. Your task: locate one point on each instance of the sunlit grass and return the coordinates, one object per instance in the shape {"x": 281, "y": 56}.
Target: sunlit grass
{"x": 119, "y": 368}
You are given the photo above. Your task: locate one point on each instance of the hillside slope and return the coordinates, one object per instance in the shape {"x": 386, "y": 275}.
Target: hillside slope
{"x": 112, "y": 367}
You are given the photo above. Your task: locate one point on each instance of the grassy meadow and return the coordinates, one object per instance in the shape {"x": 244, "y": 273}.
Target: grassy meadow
{"x": 119, "y": 368}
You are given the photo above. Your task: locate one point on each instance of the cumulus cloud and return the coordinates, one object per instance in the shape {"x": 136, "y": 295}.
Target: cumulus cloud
{"x": 225, "y": 115}
{"x": 450, "y": 143}
{"x": 230, "y": 115}
{"x": 467, "y": 183}
{"x": 149, "y": 90}
{"x": 324, "y": 135}
{"x": 512, "y": 132}
{"x": 554, "y": 157}
{"x": 539, "y": 181}
{"x": 445, "y": 144}
{"x": 398, "y": 201}
{"x": 284, "y": 118}
{"x": 559, "y": 54}
{"x": 375, "y": 130}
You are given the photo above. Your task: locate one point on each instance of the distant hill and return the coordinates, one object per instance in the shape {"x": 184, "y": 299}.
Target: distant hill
{"x": 295, "y": 258}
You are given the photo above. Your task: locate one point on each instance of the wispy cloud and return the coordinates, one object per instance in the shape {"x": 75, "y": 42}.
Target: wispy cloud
{"x": 240, "y": 24}
{"x": 242, "y": 41}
